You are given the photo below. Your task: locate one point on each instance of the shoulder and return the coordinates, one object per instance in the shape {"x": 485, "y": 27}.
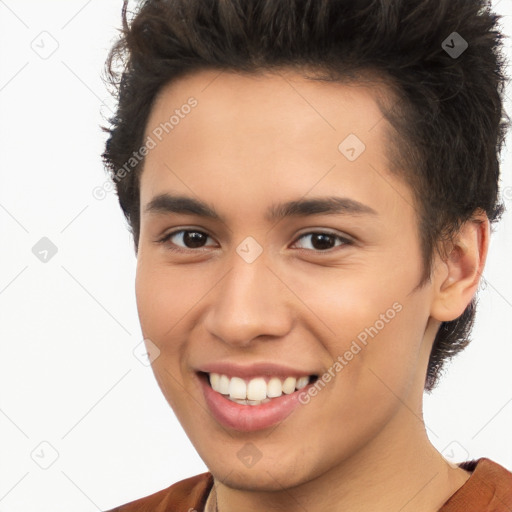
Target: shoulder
{"x": 488, "y": 488}
{"x": 182, "y": 496}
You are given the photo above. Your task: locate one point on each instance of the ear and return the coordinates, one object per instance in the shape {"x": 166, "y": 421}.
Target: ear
{"x": 456, "y": 276}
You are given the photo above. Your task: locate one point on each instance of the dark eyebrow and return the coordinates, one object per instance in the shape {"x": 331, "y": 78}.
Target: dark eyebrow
{"x": 167, "y": 203}
{"x": 323, "y": 205}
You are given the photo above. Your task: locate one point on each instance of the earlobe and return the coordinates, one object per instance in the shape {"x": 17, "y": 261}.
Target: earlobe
{"x": 457, "y": 276}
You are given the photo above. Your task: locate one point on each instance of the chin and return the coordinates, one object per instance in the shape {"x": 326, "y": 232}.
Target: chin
{"x": 259, "y": 480}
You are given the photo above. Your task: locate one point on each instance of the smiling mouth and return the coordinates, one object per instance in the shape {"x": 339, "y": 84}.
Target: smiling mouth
{"x": 257, "y": 390}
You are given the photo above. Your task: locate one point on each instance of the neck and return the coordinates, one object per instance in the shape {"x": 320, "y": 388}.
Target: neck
{"x": 397, "y": 470}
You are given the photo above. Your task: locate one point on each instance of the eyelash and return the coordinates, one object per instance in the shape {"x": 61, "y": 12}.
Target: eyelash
{"x": 173, "y": 247}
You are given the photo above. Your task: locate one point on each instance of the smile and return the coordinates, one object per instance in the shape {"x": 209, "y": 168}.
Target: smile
{"x": 255, "y": 391}
{"x": 252, "y": 399}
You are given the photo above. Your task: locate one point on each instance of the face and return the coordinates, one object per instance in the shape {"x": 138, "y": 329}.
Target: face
{"x": 292, "y": 254}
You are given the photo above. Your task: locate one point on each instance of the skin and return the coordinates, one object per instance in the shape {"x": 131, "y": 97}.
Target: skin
{"x": 250, "y": 142}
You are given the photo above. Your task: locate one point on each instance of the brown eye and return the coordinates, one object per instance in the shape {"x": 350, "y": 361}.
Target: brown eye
{"x": 186, "y": 239}
{"x": 194, "y": 239}
{"x": 320, "y": 241}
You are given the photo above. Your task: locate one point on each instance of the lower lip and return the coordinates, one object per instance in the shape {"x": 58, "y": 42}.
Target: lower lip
{"x": 248, "y": 418}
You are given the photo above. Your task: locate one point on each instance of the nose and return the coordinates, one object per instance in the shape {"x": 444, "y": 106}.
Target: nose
{"x": 250, "y": 302}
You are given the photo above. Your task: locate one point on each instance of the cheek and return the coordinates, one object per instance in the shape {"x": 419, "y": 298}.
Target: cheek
{"x": 382, "y": 347}
{"x": 164, "y": 296}
{"x": 374, "y": 322}
{"x": 350, "y": 301}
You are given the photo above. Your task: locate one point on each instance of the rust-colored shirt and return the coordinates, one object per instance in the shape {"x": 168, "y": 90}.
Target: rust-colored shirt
{"x": 488, "y": 489}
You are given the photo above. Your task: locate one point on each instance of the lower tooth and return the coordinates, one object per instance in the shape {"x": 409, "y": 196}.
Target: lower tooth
{"x": 258, "y": 402}
{"x": 249, "y": 402}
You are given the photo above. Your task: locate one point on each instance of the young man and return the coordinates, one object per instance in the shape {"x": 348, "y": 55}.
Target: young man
{"x": 310, "y": 186}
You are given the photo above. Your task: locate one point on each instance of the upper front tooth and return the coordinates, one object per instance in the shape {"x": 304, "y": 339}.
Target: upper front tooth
{"x": 257, "y": 389}
{"x": 274, "y": 388}
{"x": 223, "y": 385}
{"x": 237, "y": 388}
{"x": 289, "y": 385}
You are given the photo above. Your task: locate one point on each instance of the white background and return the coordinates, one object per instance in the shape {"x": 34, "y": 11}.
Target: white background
{"x": 68, "y": 376}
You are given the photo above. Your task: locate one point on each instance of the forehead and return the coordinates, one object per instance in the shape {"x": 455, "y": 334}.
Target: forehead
{"x": 257, "y": 135}
{"x": 283, "y": 102}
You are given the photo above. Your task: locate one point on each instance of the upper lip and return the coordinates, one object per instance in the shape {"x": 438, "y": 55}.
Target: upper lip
{"x": 253, "y": 370}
